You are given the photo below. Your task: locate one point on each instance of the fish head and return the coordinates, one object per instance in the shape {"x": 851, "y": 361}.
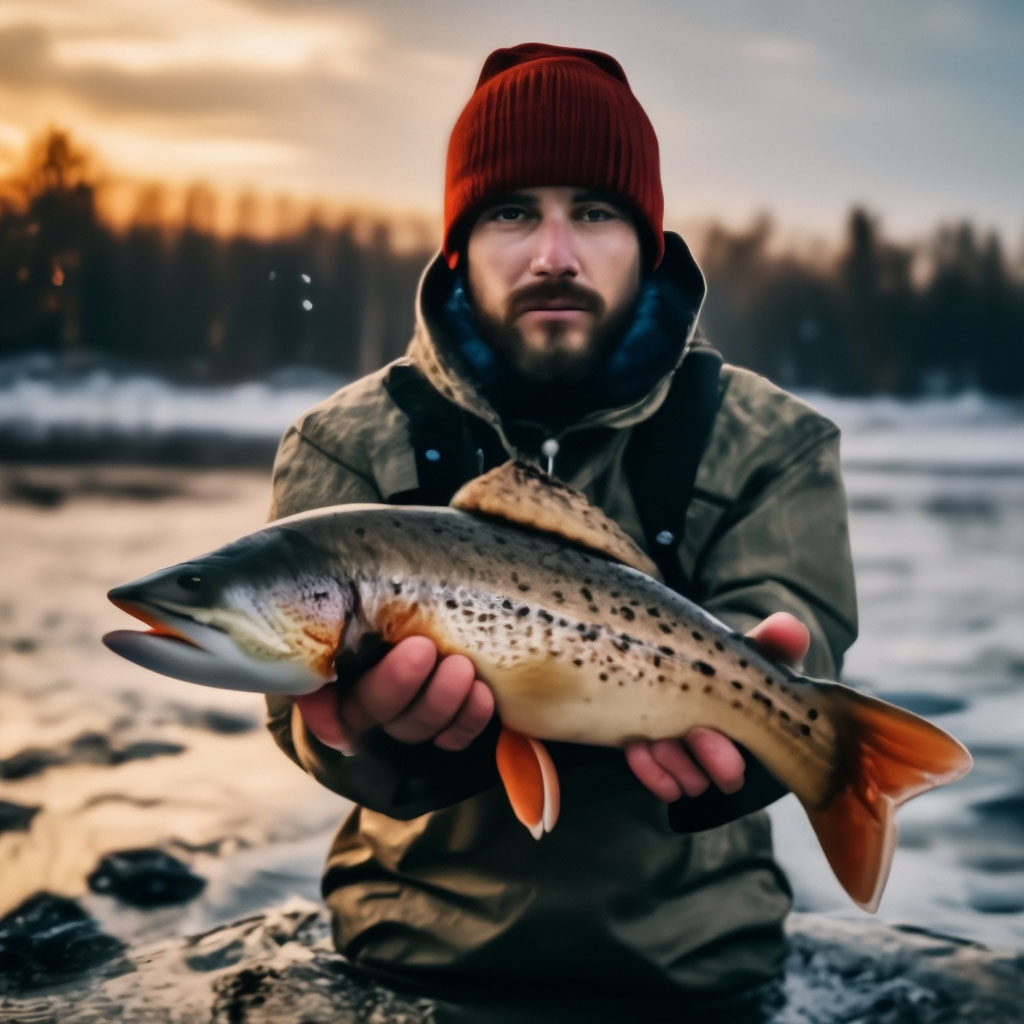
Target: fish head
{"x": 260, "y": 614}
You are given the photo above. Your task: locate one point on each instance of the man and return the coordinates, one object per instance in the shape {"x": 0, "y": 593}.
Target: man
{"x": 551, "y": 327}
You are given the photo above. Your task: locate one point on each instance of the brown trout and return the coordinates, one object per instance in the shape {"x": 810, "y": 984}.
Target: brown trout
{"x": 562, "y": 617}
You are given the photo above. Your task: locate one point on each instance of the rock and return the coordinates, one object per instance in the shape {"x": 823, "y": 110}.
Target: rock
{"x": 280, "y": 966}
{"x": 47, "y": 939}
{"x": 146, "y": 878}
{"x": 87, "y": 748}
{"x": 16, "y": 817}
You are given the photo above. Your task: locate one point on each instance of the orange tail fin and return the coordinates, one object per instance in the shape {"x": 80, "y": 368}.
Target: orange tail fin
{"x": 530, "y": 779}
{"x": 891, "y": 756}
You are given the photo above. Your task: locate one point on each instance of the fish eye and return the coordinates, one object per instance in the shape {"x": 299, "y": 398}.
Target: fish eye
{"x": 187, "y": 581}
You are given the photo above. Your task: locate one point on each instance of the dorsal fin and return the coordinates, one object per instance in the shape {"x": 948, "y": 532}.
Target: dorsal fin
{"x": 525, "y": 495}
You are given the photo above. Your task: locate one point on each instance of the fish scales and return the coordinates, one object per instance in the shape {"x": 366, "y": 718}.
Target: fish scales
{"x": 575, "y": 647}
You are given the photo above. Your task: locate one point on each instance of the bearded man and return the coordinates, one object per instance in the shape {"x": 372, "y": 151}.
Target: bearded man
{"x": 558, "y": 324}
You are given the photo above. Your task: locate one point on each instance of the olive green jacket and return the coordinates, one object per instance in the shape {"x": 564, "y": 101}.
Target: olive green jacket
{"x": 431, "y": 879}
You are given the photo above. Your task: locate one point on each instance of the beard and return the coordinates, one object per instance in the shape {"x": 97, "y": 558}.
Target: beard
{"x": 554, "y": 352}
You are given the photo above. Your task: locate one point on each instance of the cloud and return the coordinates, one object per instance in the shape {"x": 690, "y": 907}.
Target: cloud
{"x": 781, "y": 52}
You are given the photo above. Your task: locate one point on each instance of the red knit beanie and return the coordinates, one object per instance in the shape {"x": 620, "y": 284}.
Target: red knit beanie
{"x": 552, "y": 115}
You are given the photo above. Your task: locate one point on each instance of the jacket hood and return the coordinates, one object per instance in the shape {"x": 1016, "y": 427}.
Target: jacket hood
{"x": 634, "y": 379}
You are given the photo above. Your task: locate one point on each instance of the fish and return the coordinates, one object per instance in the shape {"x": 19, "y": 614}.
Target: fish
{"x": 566, "y": 620}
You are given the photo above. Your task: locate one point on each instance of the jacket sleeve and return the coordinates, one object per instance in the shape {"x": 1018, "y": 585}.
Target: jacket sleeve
{"x": 398, "y": 779}
{"x": 783, "y": 545}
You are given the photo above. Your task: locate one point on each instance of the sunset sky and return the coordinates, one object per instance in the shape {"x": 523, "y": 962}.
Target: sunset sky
{"x": 798, "y": 106}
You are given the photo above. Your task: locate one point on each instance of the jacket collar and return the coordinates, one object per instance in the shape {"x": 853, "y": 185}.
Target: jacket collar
{"x": 639, "y": 371}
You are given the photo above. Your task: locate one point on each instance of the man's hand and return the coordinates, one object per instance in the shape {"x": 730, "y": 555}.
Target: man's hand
{"x": 671, "y": 769}
{"x": 409, "y": 694}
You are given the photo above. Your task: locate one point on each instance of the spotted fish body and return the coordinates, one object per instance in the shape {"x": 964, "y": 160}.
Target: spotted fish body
{"x": 575, "y": 645}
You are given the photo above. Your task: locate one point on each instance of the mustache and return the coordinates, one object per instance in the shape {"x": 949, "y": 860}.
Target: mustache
{"x": 573, "y": 295}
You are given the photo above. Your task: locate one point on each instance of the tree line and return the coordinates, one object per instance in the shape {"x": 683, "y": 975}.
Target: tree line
{"x": 871, "y": 315}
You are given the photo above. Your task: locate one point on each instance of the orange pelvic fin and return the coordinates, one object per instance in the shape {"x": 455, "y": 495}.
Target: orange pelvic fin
{"x": 891, "y": 756}
{"x": 530, "y": 779}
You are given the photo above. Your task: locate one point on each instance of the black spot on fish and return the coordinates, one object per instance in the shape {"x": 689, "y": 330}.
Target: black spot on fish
{"x": 667, "y": 650}
{"x": 697, "y": 636}
{"x": 591, "y": 634}
{"x": 616, "y": 593}
{"x": 708, "y": 688}
{"x": 451, "y": 603}
{"x": 784, "y": 715}
{"x": 657, "y": 661}
{"x": 603, "y": 677}
{"x": 515, "y": 577}
{"x": 664, "y": 627}
{"x": 524, "y": 587}
{"x": 578, "y": 662}
{"x": 522, "y": 611}
{"x": 704, "y": 668}
{"x": 628, "y": 614}
{"x": 661, "y": 679}
{"x": 743, "y": 663}
{"x": 396, "y": 586}
{"x": 737, "y": 685}
{"x": 653, "y": 612}
{"x": 593, "y": 608}
{"x": 507, "y": 605}
{"x": 685, "y": 687}
{"x": 737, "y": 704}
{"x": 546, "y": 616}
{"x": 587, "y": 595}
{"x": 719, "y": 646}
{"x": 581, "y": 627}
{"x": 482, "y": 617}
{"x": 558, "y": 596}
{"x": 563, "y": 623}
{"x": 320, "y": 595}
{"x": 623, "y": 645}
{"x": 768, "y": 681}
{"x": 805, "y": 729}
{"x": 812, "y": 713}
{"x": 360, "y": 532}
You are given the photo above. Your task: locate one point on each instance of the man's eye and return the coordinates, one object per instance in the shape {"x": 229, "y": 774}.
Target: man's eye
{"x": 597, "y": 213}
{"x": 509, "y": 214}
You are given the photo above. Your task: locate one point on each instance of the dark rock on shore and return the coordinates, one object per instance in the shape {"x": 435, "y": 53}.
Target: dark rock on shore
{"x": 280, "y": 966}
{"x": 88, "y": 748}
{"x": 47, "y": 939}
{"x": 16, "y": 817}
{"x": 146, "y": 878}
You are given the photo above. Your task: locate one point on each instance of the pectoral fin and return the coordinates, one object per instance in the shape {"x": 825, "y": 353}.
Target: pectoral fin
{"x": 530, "y": 780}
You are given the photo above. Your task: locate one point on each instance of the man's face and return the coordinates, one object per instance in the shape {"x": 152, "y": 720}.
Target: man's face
{"x": 553, "y": 273}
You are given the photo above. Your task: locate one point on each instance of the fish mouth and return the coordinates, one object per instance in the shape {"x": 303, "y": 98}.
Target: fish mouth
{"x": 177, "y": 645}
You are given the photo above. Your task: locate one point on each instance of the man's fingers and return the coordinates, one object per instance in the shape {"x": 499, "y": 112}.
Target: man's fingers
{"x": 438, "y": 703}
{"x": 384, "y": 691}
{"x": 718, "y": 757}
{"x": 473, "y": 716}
{"x": 319, "y": 711}
{"x": 651, "y": 773}
{"x": 672, "y": 756}
{"x": 782, "y": 637}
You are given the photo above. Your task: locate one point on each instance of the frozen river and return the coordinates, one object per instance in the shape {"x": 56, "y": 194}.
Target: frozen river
{"x": 936, "y": 492}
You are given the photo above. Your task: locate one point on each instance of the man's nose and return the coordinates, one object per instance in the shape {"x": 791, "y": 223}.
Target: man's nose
{"x": 554, "y": 253}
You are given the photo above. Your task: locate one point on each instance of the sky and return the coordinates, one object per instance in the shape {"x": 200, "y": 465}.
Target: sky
{"x": 800, "y": 107}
